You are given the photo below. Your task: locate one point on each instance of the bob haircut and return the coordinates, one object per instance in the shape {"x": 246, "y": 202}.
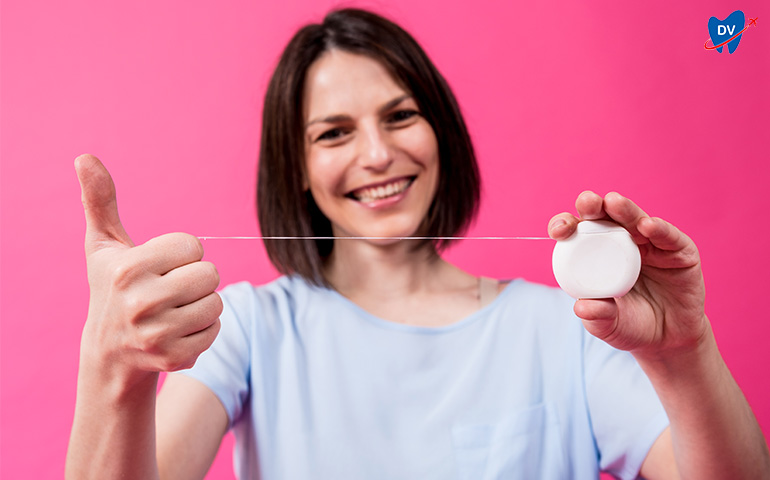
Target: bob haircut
{"x": 284, "y": 208}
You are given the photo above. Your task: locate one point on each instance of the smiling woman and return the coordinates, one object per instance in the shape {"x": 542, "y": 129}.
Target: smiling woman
{"x": 372, "y": 171}
{"x": 359, "y": 90}
{"x": 377, "y": 358}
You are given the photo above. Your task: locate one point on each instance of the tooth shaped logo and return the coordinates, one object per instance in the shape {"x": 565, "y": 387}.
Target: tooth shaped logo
{"x": 723, "y": 30}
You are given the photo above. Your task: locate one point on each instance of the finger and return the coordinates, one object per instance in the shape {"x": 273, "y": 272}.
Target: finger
{"x": 669, "y": 247}
{"x": 103, "y": 227}
{"x": 191, "y": 282}
{"x": 196, "y": 316}
{"x": 626, "y": 213}
{"x": 163, "y": 254}
{"x": 196, "y": 344}
{"x": 160, "y": 330}
{"x": 599, "y": 316}
{"x": 562, "y": 226}
{"x": 590, "y": 206}
{"x": 596, "y": 309}
{"x": 181, "y": 352}
{"x": 662, "y": 234}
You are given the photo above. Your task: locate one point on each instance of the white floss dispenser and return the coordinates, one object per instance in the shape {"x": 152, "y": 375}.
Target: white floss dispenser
{"x": 600, "y": 260}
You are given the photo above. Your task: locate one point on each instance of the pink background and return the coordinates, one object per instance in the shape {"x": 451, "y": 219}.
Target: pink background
{"x": 559, "y": 98}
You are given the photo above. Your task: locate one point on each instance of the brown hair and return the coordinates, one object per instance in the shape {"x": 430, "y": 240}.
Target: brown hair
{"x": 284, "y": 209}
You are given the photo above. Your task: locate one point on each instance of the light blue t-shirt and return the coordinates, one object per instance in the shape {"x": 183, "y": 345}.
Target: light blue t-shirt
{"x": 315, "y": 387}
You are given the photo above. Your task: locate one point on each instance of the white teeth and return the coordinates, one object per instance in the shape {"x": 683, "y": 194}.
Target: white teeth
{"x": 377, "y": 193}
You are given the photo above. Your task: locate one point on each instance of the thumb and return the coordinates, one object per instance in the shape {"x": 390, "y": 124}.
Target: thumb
{"x": 103, "y": 227}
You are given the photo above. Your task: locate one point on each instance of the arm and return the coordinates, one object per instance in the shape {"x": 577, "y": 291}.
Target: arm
{"x": 661, "y": 321}
{"x": 170, "y": 439}
{"x": 184, "y": 431}
{"x": 714, "y": 433}
{"x": 113, "y": 432}
{"x": 152, "y": 308}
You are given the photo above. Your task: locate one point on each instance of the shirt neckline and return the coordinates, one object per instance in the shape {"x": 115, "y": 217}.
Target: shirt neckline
{"x": 416, "y": 329}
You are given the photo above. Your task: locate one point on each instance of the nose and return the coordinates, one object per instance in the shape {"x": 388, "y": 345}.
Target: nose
{"x": 375, "y": 151}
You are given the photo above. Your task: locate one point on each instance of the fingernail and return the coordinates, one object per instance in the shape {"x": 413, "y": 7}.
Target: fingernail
{"x": 557, "y": 223}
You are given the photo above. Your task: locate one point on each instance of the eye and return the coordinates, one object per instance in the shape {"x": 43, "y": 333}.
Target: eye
{"x": 331, "y": 134}
{"x": 400, "y": 116}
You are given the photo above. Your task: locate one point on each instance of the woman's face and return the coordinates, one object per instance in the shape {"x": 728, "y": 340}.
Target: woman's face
{"x": 372, "y": 158}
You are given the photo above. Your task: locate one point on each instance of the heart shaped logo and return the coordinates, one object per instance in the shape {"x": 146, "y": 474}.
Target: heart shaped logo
{"x": 727, "y": 31}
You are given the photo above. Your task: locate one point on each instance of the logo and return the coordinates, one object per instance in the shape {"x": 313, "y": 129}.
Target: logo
{"x": 728, "y": 31}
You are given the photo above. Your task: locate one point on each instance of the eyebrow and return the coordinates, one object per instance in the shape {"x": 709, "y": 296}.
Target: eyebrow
{"x": 342, "y": 118}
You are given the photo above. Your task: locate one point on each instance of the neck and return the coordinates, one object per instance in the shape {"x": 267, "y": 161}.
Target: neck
{"x": 358, "y": 267}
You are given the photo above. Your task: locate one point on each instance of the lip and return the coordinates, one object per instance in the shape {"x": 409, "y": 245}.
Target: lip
{"x": 379, "y": 184}
{"x": 384, "y": 202}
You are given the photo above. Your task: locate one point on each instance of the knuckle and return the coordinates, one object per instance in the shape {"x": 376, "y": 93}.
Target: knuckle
{"x": 215, "y": 328}
{"x": 211, "y": 334}
{"x": 218, "y": 306}
{"x": 179, "y": 361}
{"x": 122, "y": 275}
{"x": 186, "y": 244}
{"x": 147, "y": 343}
{"x": 211, "y": 308}
{"x": 211, "y": 272}
{"x": 137, "y": 307}
{"x": 213, "y": 269}
{"x": 191, "y": 244}
{"x": 185, "y": 365}
{"x": 168, "y": 364}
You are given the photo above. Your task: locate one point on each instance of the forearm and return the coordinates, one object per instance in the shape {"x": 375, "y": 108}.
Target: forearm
{"x": 113, "y": 433}
{"x": 714, "y": 432}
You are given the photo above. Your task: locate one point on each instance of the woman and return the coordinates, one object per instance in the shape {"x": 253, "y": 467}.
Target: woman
{"x": 375, "y": 358}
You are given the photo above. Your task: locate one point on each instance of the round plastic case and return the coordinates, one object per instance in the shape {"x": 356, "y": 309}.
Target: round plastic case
{"x": 600, "y": 260}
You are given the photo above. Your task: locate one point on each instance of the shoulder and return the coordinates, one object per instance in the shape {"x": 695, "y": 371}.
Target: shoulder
{"x": 277, "y": 302}
{"x": 282, "y": 289}
{"x": 537, "y": 290}
{"x": 535, "y": 299}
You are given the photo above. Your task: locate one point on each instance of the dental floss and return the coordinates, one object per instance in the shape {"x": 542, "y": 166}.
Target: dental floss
{"x": 373, "y": 238}
{"x": 600, "y": 260}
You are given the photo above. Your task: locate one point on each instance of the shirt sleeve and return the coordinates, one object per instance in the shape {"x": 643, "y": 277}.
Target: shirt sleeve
{"x": 224, "y": 367}
{"x": 626, "y": 414}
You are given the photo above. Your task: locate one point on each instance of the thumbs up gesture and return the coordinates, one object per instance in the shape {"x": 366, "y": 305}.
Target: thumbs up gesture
{"x": 153, "y": 307}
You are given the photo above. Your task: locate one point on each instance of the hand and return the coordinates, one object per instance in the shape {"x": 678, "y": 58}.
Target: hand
{"x": 153, "y": 307}
{"x": 664, "y": 311}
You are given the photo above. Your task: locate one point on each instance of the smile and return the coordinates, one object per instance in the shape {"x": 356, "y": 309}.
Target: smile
{"x": 371, "y": 194}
